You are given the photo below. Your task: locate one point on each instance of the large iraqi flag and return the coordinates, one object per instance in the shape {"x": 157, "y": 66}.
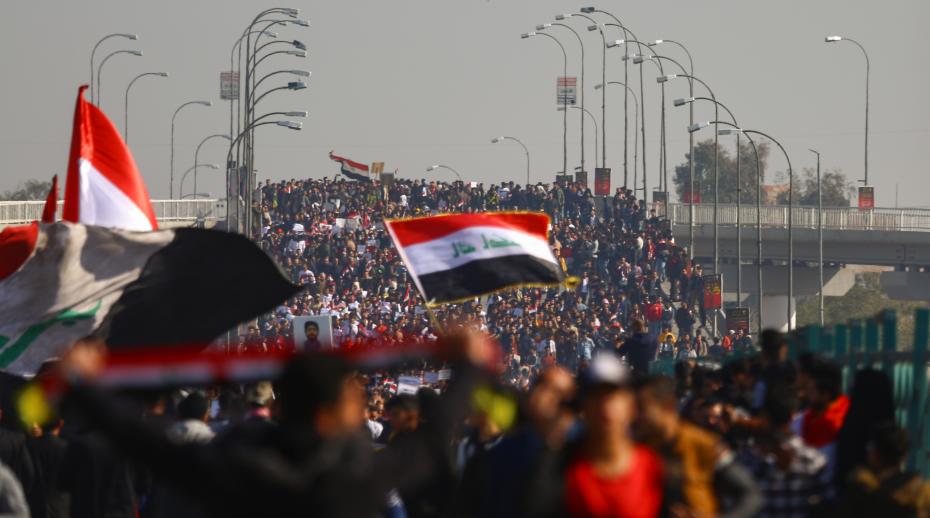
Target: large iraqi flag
{"x": 63, "y": 281}
{"x": 103, "y": 186}
{"x": 351, "y": 169}
{"x": 459, "y": 256}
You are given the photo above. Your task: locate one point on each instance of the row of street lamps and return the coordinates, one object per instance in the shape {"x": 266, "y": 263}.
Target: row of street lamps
{"x": 731, "y": 128}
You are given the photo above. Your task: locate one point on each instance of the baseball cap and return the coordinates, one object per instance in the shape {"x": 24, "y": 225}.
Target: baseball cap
{"x": 605, "y": 369}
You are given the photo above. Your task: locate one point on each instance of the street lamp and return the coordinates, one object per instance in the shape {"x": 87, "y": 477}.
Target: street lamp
{"x": 593, "y": 120}
{"x": 197, "y": 155}
{"x": 665, "y": 79}
{"x": 790, "y": 212}
{"x": 440, "y": 166}
{"x": 635, "y": 125}
{"x": 495, "y": 140}
{"x": 194, "y": 169}
{"x": 834, "y": 39}
{"x": 128, "y": 36}
{"x": 581, "y": 89}
{"x": 293, "y": 125}
{"x": 173, "y": 117}
{"x": 564, "y": 97}
{"x": 642, "y": 107}
{"x": 596, "y": 27}
{"x": 103, "y": 62}
{"x": 126, "y": 101}
{"x": 819, "y": 230}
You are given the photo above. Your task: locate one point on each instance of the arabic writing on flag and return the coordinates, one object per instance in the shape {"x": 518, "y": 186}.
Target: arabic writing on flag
{"x": 455, "y": 257}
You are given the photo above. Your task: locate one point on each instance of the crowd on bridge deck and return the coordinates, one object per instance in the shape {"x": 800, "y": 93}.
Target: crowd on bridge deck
{"x": 550, "y": 409}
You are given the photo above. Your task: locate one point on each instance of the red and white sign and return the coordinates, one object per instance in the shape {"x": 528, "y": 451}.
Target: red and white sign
{"x": 565, "y": 91}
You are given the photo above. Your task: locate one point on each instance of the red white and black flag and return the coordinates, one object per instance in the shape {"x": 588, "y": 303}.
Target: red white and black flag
{"x": 350, "y": 169}
{"x": 459, "y": 256}
{"x": 63, "y": 281}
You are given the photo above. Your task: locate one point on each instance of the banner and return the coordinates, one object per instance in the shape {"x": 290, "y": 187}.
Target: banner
{"x": 387, "y": 179}
{"x": 687, "y": 196}
{"x": 738, "y": 318}
{"x": 229, "y": 86}
{"x": 563, "y": 179}
{"x": 602, "y": 181}
{"x": 713, "y": 291}
{"x": 313, "y": 333}
{"x": 866, "y": 198}
{"x": 582, "y": 178}
{"x": 565, "y": 90}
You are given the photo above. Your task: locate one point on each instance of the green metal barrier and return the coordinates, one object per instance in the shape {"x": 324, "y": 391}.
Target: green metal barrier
{"x": 873, "y": 343}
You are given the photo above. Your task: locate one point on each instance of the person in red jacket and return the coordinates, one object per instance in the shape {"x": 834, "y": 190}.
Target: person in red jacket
{"x": 654, "y": 317}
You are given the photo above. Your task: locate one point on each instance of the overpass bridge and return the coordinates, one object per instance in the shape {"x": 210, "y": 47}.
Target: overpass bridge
{"x": 170, "y": 213}
{"x": 898, "y": 239}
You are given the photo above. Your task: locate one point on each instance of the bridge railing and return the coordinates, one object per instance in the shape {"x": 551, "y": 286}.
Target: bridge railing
{"x": 834, "y": 218}
{"x": 869, "y": 344}
{"x": 20, "y": 212}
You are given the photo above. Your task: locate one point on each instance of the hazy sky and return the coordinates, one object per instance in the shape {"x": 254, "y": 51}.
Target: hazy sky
{"x": 416, "y": 82}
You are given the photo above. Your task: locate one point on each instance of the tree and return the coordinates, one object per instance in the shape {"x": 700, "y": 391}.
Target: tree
{"x": 28, "y": 191}
{"x": 704, "y": 172}
{"x": 836, "y": 188}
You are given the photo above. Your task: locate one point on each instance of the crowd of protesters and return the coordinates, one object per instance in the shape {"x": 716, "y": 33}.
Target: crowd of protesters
{"x": 539, "y": 404}
{"x": 328, "y": 237}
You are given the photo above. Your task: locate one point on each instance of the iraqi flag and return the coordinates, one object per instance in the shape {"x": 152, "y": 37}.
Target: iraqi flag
{"x": 63, "y": 281}
{"x": 460, "y": 256}
{"x": 354, "y": 170}
{"x": 103, "y": 186}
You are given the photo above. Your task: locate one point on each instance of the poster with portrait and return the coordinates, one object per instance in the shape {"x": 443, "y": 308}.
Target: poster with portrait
{"x": 866, "y": 198}
{"x": 313, "y": 332}
{"x": 602, "y": 181}
{"x": 713, "y": 291}
{"x": 738, "y": 319}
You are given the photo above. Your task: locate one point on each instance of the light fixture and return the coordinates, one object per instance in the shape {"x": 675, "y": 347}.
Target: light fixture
{"x": 697, "y": 126}
{"x": 298, "y": 53}
{"x": 729, "y": 131}
{"x": 296, "y": 85}
{"x": 662, "y": 79}
{"x": 527, "y": 34}
{"x": 301, "y": 114}
{"x": 587, "y": 10}
{"x": 294, "y": 125}
{"x": 301, "y": 73}
{"x": 432, "y": 168}
{"x": 656, "y": 42}
{"x": 495, "y": 140}
{"x": 831, "y": 39}
{"x": 563, "y": 16}
{"x": 615, "y": 43}
{"x": 683, "y": 101}
{"x": 270, "y": 34}
{"x": 592, "y": 28}
{"x": 543, "y": 26}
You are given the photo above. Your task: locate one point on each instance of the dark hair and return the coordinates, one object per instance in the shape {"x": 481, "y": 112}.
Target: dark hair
{"x": 781, "y": 402}
{"x": 311, "y": 323}
{"x": 771, "y": 341}
{"x": 308, "y": 383}
{"x": 828, "y": 377}
{"x": 403, "y": 402}
{"x": 891, "y": 443}
{"x": 194, "y": 406}
{"x": 660, "y": 388}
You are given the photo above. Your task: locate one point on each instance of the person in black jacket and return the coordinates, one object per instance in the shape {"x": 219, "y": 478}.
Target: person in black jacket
{"x": 639, "y": 349}
{"x": 315, "y": 462}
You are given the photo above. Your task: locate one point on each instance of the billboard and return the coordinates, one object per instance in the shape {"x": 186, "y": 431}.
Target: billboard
{"x": 713, "y": 291}
{"x": 313, "y": 332}
{"x": 738, "y": 318}
{"x": 229, "y": 86}
{"x": 602, "y": 181}
{"x": 565, "y": 92}
{"x": 866, "y": 198}
{"x": 582, "y": 178}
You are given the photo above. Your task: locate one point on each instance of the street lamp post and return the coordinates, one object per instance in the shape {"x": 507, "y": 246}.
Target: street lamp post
{"x": 564, "y": 98}
{"x": 790, "y": 214}
{"x": 833, "y": 39}
{"x": 126, "y": 101}
{"x": 197, "y": 155}
{"x": 440, "y": 166}
{"x": 104, "y": 62}
{"x": 194, "y": 169}
{"x": 642, "y": 107}
{"x": 819, "y": 230}
{"x": 663, "y": 156}
{"x": 635, "y": 125}
{"x": 495, "y": 140}
{"x": 230, "y": 164}
{"x": 93, "y": 91}
{"x": 593, "y": 120}
{"x": 695, "y": 127}
{"x": 581, "y": 89}
{"x": 173, "y": 117}
{"x": 666, "y": 78}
